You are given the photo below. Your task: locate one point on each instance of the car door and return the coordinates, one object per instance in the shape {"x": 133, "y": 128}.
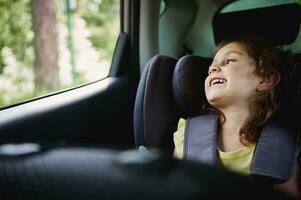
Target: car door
{"x": 99, "y": 112}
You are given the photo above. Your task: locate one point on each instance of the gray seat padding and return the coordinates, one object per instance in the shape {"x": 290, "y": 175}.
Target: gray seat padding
{"x": 156, "y": 114}
{"x": 158, "y": 107}
{"x": 188, "y": 84}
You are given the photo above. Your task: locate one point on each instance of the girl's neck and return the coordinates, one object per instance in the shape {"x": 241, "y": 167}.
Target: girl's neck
{"x": 229, "y": 132}
{"x": 234, "y": 121}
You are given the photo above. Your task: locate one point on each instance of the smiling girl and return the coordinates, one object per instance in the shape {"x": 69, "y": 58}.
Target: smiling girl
{"x": 241, "y": 88}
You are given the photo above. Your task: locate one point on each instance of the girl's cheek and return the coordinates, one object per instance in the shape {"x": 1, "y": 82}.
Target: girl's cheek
{"x": 206, "y": 86}
{"x": 205, "y": 82}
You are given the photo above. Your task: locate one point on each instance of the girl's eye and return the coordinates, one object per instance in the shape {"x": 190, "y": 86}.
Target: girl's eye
{"x": 227, "y": 61}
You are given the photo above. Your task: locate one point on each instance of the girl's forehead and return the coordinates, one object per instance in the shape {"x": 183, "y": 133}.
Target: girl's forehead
{"x": 234, "y": 47}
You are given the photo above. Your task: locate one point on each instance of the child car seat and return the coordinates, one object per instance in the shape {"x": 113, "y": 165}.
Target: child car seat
{"x": 170, "y": 89}
{"x": 156, "y": 112}
{"x": 185, "y": 97}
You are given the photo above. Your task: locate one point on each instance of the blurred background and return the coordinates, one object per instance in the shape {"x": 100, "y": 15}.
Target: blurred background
{"x": 51, "y": 45}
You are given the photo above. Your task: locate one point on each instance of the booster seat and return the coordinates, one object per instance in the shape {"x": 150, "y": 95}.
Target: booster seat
{"x": 165, "y": 97}
{"x": 170, "y": 89}
{"x": 156, "y": 111}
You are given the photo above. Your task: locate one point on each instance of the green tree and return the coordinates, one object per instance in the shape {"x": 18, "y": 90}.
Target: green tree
{"x": 45, "y": 45}
{"x": 100, "y": 16}
{"x": 16, "y": 34}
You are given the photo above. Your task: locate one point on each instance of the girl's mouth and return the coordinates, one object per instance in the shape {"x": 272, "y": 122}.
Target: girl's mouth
{"x": 217, "y": 81}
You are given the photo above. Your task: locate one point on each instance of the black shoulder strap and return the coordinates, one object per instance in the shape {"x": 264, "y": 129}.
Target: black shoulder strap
{"x": 200, "y": 139}
{"x": 274, "y": 158}
{"x": 276, "y": 153}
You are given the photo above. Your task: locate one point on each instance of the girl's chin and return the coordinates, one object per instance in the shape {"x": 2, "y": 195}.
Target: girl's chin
{"x": 214, "y": 99}
{"x": 217, "y": 101}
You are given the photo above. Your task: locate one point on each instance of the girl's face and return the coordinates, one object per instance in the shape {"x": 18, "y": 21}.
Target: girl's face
{"x": 231, "y": 78}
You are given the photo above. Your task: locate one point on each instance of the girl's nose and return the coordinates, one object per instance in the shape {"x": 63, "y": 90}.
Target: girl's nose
{"x": 213, "y": 68}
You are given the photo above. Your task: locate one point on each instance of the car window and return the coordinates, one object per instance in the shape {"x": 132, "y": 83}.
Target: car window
{"x": 246, "y": 5}
{"x": 162, "y": 7}
{"x": 50, "y": 45}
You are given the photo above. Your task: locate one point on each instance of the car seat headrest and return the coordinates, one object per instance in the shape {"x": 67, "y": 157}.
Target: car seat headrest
{"x": 155, "y": 112}
{"x": 188, "y": 84}
{"x": 279, "y": 24}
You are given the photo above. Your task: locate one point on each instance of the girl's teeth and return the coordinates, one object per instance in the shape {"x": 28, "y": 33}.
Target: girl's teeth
{"x": 218, "y": 81}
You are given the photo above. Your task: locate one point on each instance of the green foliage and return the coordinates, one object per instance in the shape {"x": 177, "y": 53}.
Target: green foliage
{"x": 16, "y": 34}
{"x": 101, "y": 16}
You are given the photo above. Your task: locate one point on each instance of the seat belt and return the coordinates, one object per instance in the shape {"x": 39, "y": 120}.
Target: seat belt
{"x": 275, "y": 153}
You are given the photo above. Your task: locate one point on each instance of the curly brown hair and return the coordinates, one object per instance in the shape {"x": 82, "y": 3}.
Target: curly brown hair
{"x": 269, "y": 66}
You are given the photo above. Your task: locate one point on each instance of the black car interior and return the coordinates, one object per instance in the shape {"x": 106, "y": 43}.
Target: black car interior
{"x": 91, "y": 173}
{"x": 113, "y": 113}
{"x": 269, "y": 22}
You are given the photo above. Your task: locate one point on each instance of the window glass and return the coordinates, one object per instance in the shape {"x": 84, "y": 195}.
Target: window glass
{"x": 51, "y": 45}
{"x": 162, "y": 6}
{"x": 247, "y": 4}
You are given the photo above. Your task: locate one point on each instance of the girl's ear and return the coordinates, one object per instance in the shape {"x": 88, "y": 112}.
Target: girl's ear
{"x": 268, "y": 82}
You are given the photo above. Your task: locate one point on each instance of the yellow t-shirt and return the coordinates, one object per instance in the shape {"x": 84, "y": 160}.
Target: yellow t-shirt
{"x": 238, "y": 160}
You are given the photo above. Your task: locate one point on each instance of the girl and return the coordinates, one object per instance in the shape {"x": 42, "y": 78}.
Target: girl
{"x": 241, "y": 88}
